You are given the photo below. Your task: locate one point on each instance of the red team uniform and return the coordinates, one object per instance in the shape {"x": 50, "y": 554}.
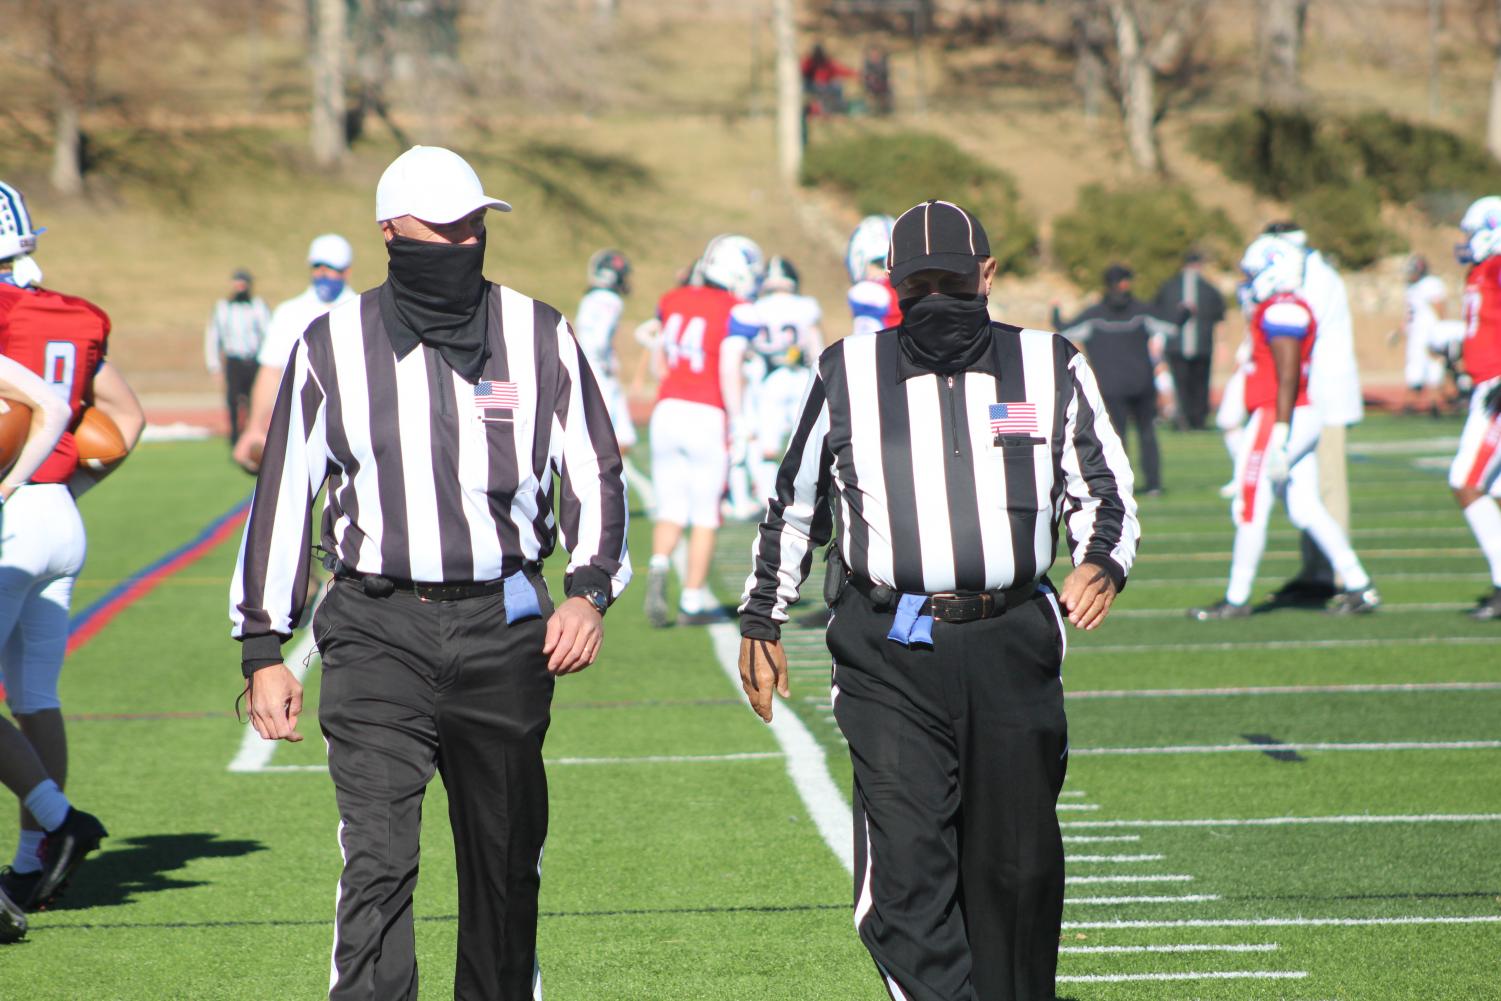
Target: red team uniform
{"x": 1283, "y": 315}
{"x": 62, "y": 339}
{"x": 1478, "y": 461}
{"x": 695, "y": 322}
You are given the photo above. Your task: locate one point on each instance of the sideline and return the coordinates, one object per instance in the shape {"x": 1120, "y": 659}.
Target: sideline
{"x": 85, "y": 625}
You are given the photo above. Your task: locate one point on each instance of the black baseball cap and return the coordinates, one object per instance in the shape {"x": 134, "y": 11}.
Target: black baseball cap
{"x": 936, "y": 236}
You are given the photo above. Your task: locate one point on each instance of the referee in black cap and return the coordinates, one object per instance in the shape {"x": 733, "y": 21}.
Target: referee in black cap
{"x": 947, "y": 453}
{"x": 447, "y": 416}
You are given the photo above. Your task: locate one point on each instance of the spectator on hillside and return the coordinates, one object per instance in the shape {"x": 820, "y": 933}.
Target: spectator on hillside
{"x": 875, "y": 78}
{"x": 230, "y": 342}
{"x": 822, "y": 74}
{"x": 1189, "y": 349}
{"x": 1118, "y": 334}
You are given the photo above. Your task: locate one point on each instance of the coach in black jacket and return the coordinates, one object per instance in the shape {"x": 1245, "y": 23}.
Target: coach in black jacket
{"x": 949, "y": 451}
{"x": 1190, "y": 348}
{"x": 1117, "y": 333}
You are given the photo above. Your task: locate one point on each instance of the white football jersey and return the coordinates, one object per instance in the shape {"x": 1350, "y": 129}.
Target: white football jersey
{"x": 785, "y": 320}
{"x": 594, "y": 324}
{"x": 1422, "y": 295}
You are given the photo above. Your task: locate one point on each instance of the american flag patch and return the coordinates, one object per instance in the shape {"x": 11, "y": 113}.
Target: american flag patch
{"x": 491, "y": 395}
{"x": 1013, "y": 418}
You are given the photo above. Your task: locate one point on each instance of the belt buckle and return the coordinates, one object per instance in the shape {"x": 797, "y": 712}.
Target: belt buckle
{"x": 944, "y": 597}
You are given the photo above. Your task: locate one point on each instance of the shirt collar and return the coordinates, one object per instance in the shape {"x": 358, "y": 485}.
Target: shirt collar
{"x": 403, "y": 338}
{"x": 989, "y": 362}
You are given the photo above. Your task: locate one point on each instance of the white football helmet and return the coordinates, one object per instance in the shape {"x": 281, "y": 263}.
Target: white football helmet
{"x": 869, "y": 242}
{"x": 733, "y": 262}
{"x": 1271, "y": 265}
{"x": 1482, "y": 228}
{"x": 781, "y": 276}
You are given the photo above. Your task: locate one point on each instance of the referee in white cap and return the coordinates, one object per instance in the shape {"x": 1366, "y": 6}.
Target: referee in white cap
{"x": 448, "y": 417}
{"x": 948, "y": 452}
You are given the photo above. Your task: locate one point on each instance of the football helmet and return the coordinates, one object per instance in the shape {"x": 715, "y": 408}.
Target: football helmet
{"x": 1415, "y": 268}
{"x": 1271, "y": 265}
{"x": 781, "y": 276}
{"x": 869, "y": 242}
{"x": 733, "y": 262}
{"x": 1482, "y": 229}
{"x": 609, "y": 269}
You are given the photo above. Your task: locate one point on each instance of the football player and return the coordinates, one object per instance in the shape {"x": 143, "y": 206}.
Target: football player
{"x": 61, "y": 338}
{"x": 873, "y": 304}
{"x": 1277, "y": 457}
{"x": 698, "y": 358}
{"x": 1424, "y": 371}
{"x": 594, "y": 324}
{"x": 1475, "y": 475}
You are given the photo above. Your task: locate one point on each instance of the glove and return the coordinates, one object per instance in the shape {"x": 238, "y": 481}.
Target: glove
{"x": 1275, "y": 460}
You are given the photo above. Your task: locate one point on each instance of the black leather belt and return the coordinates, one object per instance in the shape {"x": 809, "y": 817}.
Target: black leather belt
{"x": 380, "y": 585}
{"x": 950, "y": 606}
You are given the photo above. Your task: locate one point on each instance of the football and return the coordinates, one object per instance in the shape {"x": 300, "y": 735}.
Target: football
{"x": 15, "y": 422}
{"x": 101, "y": 446}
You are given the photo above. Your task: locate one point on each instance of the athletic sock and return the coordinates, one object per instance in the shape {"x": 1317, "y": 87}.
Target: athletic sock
{"x": 660, "y": 562}
{"x": 28, "y": 852}
{"x": 1484, "y": 517}
{"x": 691, "y": 600}
{"x": 48, "y": 805}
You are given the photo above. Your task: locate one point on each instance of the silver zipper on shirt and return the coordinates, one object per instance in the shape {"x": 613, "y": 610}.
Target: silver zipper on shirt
{"x": 953, "y": 415}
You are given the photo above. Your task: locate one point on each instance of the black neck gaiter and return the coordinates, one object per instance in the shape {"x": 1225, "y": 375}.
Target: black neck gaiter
{"x": 438, "y": 293}
{"x": 944, "y": 332}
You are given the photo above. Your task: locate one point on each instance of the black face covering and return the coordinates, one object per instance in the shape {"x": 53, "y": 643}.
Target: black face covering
{"x": 437, "y": 291}
{"x": 944, "y": 332}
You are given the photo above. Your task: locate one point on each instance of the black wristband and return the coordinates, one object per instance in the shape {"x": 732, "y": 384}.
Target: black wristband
{"x": 258, "y": 651}
{"x": 759, "y": 627}
{"x": 587, "y": 579}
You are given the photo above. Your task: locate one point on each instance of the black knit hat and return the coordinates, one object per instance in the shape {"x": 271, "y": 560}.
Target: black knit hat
{"x": 936, "y": 236}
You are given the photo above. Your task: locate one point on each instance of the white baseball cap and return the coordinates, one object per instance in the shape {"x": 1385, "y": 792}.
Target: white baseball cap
{"x": 432, "y": 183}
{"x": 330, "y": 249}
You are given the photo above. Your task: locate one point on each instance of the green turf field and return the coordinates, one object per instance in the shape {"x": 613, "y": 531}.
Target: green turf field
{"x": 1289, "y": 806}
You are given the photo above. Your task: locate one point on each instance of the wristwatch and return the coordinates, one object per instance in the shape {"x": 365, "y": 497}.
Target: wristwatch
{"x": 597, "y": 598}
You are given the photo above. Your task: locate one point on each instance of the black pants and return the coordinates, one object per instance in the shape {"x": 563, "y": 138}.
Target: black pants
{"x": 1191, "y": 381}
{"x": 1140, "y": 408}
{"x": 239, "y": 376}
{"x": 410, "y": 687}
{"x": 959, "y": 753}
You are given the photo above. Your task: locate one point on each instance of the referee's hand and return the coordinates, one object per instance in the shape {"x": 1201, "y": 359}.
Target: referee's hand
{"x": 275, "y": 703}
{"x": 1087, "y": 595}
{"x": 763, "y": 666}
{"x": 573, "y": 636}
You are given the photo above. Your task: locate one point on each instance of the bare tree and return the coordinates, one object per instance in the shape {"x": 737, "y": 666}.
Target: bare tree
{"x": 327, "y": 135}
{"x": 1138, "y": 100}
{"x": 1089, "y": 40}
{"x": 1280, "y": 29}
{"x": 789, "y": 92}
{"x": 1493, "y": 118}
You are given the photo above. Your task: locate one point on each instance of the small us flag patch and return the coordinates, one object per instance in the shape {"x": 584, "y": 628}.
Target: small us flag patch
{"x": 491, "y": 396}
{"x": 1013, "y": 418}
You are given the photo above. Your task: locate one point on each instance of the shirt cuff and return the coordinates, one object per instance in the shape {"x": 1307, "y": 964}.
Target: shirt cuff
{"x": 588, "y": 579}
{"x": 759, "y": 627}
{"x": 1107, "y": 563}
{"x": 258, "y": 651}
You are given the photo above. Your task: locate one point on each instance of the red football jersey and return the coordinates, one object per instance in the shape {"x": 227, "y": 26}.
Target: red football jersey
{"x": 1283, "y": 315}
{"x": 695, "y": 323}
{"x": 62, "y": 339}
{"x": 1482, "y": 318}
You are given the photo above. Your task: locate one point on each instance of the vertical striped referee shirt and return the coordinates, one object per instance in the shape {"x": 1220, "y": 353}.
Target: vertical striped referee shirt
{"x": 945, "y": 484}
{"x": 430, "y": 478}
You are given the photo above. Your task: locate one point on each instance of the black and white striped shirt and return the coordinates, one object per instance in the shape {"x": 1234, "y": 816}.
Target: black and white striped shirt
{"x": 424, "y": 482}
{"x": 926, "y": 497}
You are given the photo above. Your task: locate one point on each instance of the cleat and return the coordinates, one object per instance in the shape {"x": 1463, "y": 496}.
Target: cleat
{"x": 20, "y": 887}
{"x": 1488, "y": 609}
{"x": 12, "y": 920}
{"x": 706, "y": 617}
{"x": 1361, "y": 602}
{"x": 1219, "y": 610}
{"x": 656, "y": 599}
{"x": 63, "y": 852}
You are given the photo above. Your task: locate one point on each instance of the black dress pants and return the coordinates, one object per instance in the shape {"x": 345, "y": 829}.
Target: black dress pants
{"x": 959, "y": 752}
{"x": 239, "y": 377}
{"x": 1140, "y": 409}
{"x": 1191, "y": 381}
{"x": 411, "y": 687}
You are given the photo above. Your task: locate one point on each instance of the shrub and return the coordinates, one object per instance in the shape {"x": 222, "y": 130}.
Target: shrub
{"x": 1409, "y": 161}
{"x": 1344, "y": 221}
{"x": 1149, "y": 228}
{"x": 1278, "y": 153}
{"x": 890, "y": 172}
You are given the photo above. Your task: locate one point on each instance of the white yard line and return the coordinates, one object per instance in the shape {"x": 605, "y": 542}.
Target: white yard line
{"x": 1387, "y": 608}
{"x": 1081, "y": 807}
{"x": 641, "y": 483}
{"x": 1287, "y": 922}
{"x": 1094, "y": 839}
{"x": 1137, "y": 585}
{"x": 255, "y": 754}
{"x": 1079, "y": 649}
{"x": 1398, "y": 745}
{"x": 1109, "y": 858}
{"x": 1186, "y": 898}
{"x": 1111, "y": 950}
{"x": 1164, "y": 878}
{"x": 640, "y": 759}
{"x": 1129, "y": 978}
{"x": 1215, "y": 555}
{"x": 1356, "y": 818}
{"x": 807, "y": 764}
{"x": 1393, "y": 689}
